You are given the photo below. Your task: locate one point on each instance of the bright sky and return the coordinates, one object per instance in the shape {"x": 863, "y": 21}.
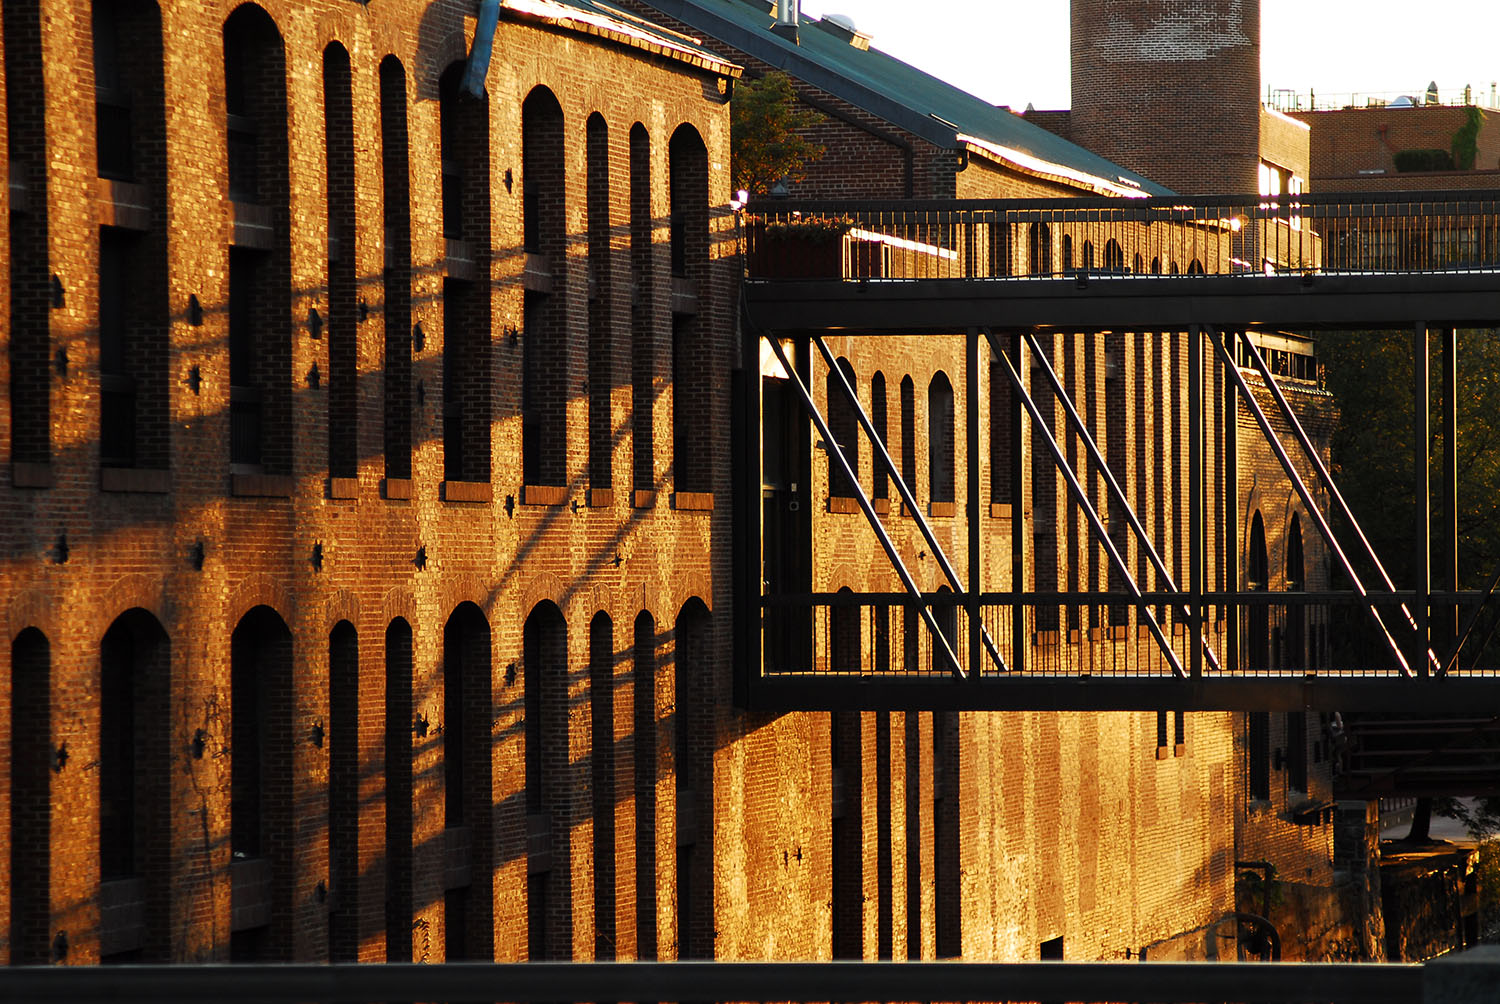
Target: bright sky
{"x": 1013, "y": 52}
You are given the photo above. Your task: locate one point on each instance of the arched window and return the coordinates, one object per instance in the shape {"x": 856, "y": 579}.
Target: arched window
{"x": 844, "y": 655}
{"x": 343, "y": 354}
{"x": 130, "y": 134}
{"x": 1156, "y": 266}
{"x": 1258, "y": 657}
{"x": 946, "y": 615}
{"x": 643, "y": 683}
{"x": 693, "y": 400}
{"x": 342, "y": 741}
{"x": 642, "y": 330}
{"x": 260, "y": 281}
{"x": 940, "y": 445}
{"x": 544, "y": 344}
{"x": 30, "y": 333}
{"x": 399, "y": 736}
{"x": 604, "y": 780}
{"x": 845, "y": 428}
{"x": 1138, "y": 265}
{"x": 1088, "y": 256}
{"x": 601, "y": 312}
{"x": 1114, "y": 256}
{"x": 879, "y": 420}
{"x": 909, "y": 434}
{"x": 31, "y": 752}
{"x": 464, "y": 134}
{"x": 1296, "y": 615}
{"x": 261, "y": 810}
{"x": 1067, "y": 252}
{"x": 1040, "y": 249}
{"x": 1175, "y": 270}
{"x": 544, "y": 661}
{"x": 467, "y": 699}
{"x": 1195, "y": 267}
{"x": 396, "y": 188}
{"x": 692, "y": 734}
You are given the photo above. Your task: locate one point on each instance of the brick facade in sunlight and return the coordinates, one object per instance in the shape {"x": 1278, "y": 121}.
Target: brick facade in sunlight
{"x": 367, "y": 529}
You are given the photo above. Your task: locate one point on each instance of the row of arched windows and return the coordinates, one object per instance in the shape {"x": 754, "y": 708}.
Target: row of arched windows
{"x": 425, "y": 755}
{"x": 1111, "y": 260}
{"x": 844, "y": 424}
{"x": 260, "y": 308}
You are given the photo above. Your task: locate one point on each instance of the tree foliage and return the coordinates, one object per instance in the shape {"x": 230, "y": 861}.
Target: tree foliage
{"x": 766, "y": 139}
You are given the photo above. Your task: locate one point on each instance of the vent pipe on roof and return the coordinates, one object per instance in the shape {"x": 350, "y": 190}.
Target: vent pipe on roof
{"x": 787, "y": 16}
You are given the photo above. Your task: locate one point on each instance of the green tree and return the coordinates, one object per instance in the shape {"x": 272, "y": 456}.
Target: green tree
{"x": 766, "y": 134}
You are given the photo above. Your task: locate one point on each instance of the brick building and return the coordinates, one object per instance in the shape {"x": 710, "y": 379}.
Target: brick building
{"x": 368, "y": 516}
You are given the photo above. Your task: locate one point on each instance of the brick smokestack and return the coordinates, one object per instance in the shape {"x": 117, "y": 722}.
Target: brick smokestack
{"x": 1170, "y": 88}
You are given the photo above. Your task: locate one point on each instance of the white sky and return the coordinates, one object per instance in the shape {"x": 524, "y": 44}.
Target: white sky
{"x": 1016, "y": 51}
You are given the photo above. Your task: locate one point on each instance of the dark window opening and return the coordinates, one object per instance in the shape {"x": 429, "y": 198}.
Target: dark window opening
{"x": 1001, "y": 489}
{"x": 940, "y": 443}
{"x": 1088, "y": 256}
{"x": 1296, "y": 613}
{"x": 1296, "y": 751}
{"x": 400, "y": 734}
{"x": 545, "y": 684}
{"x": 601, "y": 313}
{"x": 1257, "y": 580}
{"x": 112, "y": 100}
{"x": 30, "y": 792}
{"x": 642, "y": 317}
{"x": 1040, "y": 251}
{"x": 845, "y": 428}
{"x": 694, "y": 781}
{"x": 1051, "y": 949}
{"x": 260, "y": 678}
{"x": 1258, "y": 743}
{"x": 847, "y": 853}
{"x": 395, "y": 184}
{"x": 117, "y": 391}
{"x": 467, "y": 786}
{"x": 1067, "y": 252}
{"x": 245, "y": 397}
{"x": 1114, "y": 256}
{"x": 545, "y": 389}
{"x": 343, "y": 355}
{"x": 643, "y": 701}
{"x": 342, "y": 741}
{"x": 693, "y": 401}
{"x": 909, "y": 434}
{"x": 133, "y": 664}
{"x": 604, "y": 780}
{"x": 879, "y": 420}
{"x": 466, "y": 382}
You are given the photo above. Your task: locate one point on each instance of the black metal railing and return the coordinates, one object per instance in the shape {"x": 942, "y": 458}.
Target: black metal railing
{"x": 1098, "y": 634}
{"x": 1221, "y": 235}
{"x": 1443, "y": 980}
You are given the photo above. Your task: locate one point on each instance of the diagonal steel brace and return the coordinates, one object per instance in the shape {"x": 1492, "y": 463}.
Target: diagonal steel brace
{"x": 1109, "y": 479}
{"x": 852, "y": 396}
{"x": 1081, "y": 497}
{"x": 1313, "y": 511}
{"x": 837, "y": 452}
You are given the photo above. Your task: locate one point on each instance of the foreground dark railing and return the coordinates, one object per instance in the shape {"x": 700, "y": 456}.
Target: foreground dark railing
{"x": 1220, "y": 235}
{"x": 1458, "y": 979}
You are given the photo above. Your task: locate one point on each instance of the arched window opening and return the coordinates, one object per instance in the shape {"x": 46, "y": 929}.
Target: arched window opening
{"x": 130, "y": 131}
{"x": 845, "y": 428}
{"x": 466, "y": 298}
{"x": 880, "y": 420}
{"x": 945, "y": 612}
{"x": 604, "y": 781}
{"x": 1296, "y": 614}
{"x": 1039, "y": 252}
{"x": 642, "y": 330}
{"x": 544, "y": 346}
{"x": 947, "y": 896}
{"x": 396, "y": 186}
{"x": 940, "y": 444}
{"x": 1195, "y": 267}
{"x": 692, "y": 732}
{"x": 30, "y": 278}
{"x": 342, "y": 741}
{"x": 467, "y": 703}
{"x": 909, "y": 434}
{"x": 1175, "y": 270}
{"x": 1067, "y": 252}
{"x": 846, "y": 761}
{"x": 643, "y": 683}
{"x": 549, "y": 884}
{"x": 1156, "y": 266}
{"x": 693, "y": 401}
{"x": 399, "y": 716}
{"x": 343, "y": 349}
{"x": 1137, "y": 265}
{"x": 260, "y": 782}
{"x": 1088, "y": 256}
{"x": 1258, "y": 657}
{"x": 601, "y": 313}
{"x": 844, "y": 655}
{"x": 1000, "y": 407}
{"x": 1114, "y": 256}
{"x": 260, "y": 284}
{"x": 30, "y": 792}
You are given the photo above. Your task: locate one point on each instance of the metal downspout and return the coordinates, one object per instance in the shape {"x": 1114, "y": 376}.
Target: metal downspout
{"x": 484, "y": 44}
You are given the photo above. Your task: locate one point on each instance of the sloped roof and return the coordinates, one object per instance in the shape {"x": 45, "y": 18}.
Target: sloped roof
{"x": 609, "y": 22}
{"x": 903, "y": 95}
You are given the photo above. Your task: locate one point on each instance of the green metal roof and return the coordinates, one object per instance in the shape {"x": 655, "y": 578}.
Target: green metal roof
{"x": 885, "y": 86}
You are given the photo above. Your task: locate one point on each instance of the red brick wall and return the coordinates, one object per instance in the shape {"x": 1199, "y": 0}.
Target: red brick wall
{"x": 1348, "y": 141}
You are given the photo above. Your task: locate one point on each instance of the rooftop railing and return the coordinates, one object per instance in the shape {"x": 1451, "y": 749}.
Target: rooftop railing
{"x": 1114, "y": 237}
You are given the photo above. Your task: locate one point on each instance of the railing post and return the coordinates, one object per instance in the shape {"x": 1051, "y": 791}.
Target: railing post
{"x": 1195, "y": 495}
{"x": 971, "y": 483}
{"x": 1450, "y": 482}
{"x": 1019, "y": 502}
{"x": 1422, "y": 495}
{"x": 1231, "y": 510}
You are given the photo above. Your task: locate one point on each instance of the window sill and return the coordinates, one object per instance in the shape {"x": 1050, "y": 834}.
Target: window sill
{"x": 942, "y": 510}
{"x": 27, "y": 475}
{"x": 467, "y": 491}
{"x": 398, "y": 489}
{"x": 842, "y": 503}
{"x": 601, "y": 498}
{"x": 1000, "y": 510}
{"x": 693, "y": 501}
{"x": 134, "y": 479}
{"x": 261, "y": 486}
{"x": 882, "y": 507}
{"x": 343, "y": 488}
{"x": 643, "y": 498}
{"x": 544, "y": 494}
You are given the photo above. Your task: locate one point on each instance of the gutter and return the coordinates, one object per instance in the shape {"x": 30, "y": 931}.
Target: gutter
{"x": 484, "y": 44}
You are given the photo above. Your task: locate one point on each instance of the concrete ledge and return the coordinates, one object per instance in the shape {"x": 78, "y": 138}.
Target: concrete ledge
{"x": 536, "y": 273}
{"x": 942, "y": 510}
{"x": 397, "y": 488}
{"x": 1471, "y": 977}
{"x": 343, "y": 488}
{"x": 27, "y": 475}
{"x": 1000, "y": 510}
{"x": 882, "y": 506}
{"x": 261, "y": 486}
{"x": 123, "y": 204}
{"x": 684, "y": 296}
{"x": 840, "y": 503}
{"x": 601, "y": 498}
{"x": 252, "y": 225}
{"x": 457, "y": 855}
{"x": 135, "y": 479}
{"x": 544, "y": 494}
{"x": 467, "y": 491}
{"x": 250, "y": 894}
{"x": 693, "y": 501}
{"x": 643, "y": 498}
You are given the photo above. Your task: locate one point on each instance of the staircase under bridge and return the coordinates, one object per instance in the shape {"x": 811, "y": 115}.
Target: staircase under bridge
{"x": 1074, "y": 455}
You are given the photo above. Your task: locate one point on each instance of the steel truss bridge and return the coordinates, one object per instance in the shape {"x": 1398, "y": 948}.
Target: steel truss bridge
{"x": 994, "y": 281}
